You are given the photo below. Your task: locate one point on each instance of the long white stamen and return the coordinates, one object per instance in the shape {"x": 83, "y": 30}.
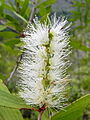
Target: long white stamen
{"x": 42, "y": 70}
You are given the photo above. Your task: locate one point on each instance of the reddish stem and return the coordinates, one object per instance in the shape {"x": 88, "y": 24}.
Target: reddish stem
{"x": 39, "y": 110}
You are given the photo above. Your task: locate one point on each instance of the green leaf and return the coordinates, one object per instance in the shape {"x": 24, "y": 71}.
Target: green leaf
{"x": 11, "y": 18}
{"x": 8, "y": 49}
{"x": 78, "y": 4}
{"x": 9, "y": 100}
{"x": 19, "y": 16}
{"x": 1, "y": 75}
{"x": 12, "y": 42}
{"x": 3, "y": 87}
{"x": 2, "y": 27}
{"x": 1, "y": 7}
{"x": 6, "y": 6}
{"x": 46, "y": 3}
{"x": 42, "y": 11}
{"x": 27, "y": 13}
{"x": 45, "y": 7}
{"x": 7, "y": 113}
{"x": 10, "y": 114}
{"x": 25, "y": 7}
{"x": 73, "y": 111}
{"x": 11, "y": 4}
{"x": 8, "y": 34}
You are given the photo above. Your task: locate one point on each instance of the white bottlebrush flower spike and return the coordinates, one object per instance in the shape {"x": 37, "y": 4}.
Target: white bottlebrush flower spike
{"x": 42, "y": 76}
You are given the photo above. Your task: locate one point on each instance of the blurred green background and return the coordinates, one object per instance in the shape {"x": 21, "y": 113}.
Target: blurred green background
{"x": 14, "y": 16}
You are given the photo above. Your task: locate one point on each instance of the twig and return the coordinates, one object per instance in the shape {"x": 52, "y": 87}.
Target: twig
{"x": 11, "y": 75}
{"x": 40, "y": 115}
{"x": 14, "y": 69}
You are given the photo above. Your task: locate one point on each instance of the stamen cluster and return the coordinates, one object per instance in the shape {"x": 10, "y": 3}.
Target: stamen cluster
{"x": 42, "y": 71}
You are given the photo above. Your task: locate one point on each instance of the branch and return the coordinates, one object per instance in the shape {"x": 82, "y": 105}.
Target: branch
{"x": 14, "y": 69}
{"x": 11, "y": 75}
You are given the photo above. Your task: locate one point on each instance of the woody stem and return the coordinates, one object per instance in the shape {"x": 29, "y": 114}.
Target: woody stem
{"x": 40, "y": 115}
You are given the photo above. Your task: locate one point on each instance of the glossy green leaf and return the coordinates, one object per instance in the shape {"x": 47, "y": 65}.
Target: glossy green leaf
{"x": 74, "y": 111}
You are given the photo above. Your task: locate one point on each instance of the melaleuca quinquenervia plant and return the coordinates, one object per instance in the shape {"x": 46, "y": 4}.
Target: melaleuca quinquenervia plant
{"x": 42, "y": 71}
